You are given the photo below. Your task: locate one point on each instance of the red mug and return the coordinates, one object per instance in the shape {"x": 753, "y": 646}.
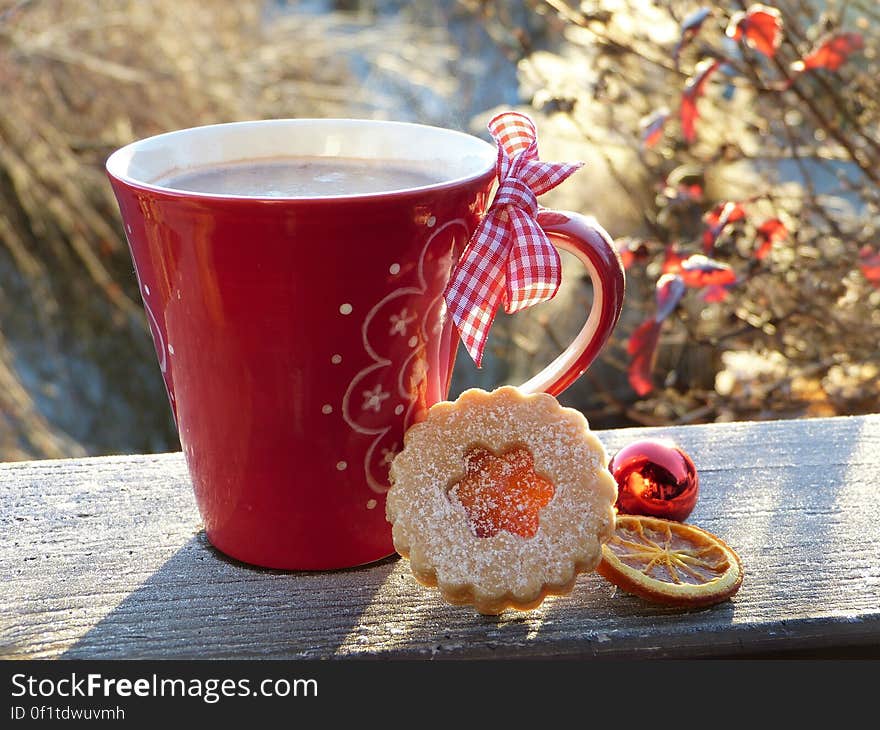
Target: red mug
{"x": 300, "y": 337}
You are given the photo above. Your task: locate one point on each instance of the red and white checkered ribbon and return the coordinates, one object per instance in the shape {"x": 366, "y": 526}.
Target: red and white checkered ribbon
{"x": 509, "y": 258}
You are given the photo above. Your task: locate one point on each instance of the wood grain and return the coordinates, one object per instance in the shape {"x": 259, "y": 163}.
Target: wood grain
{"x": 105, "y": 558}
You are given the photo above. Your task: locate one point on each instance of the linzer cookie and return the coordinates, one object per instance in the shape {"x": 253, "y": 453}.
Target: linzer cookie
{"x": 500, "y": 499}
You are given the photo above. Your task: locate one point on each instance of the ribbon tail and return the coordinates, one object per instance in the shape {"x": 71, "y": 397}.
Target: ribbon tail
{"x": 534, "y": 269}
{"x": 475, "y": 287}
{"x": 543, "y": 176}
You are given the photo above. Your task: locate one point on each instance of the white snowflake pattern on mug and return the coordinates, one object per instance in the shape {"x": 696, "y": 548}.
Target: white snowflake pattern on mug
{"x": 373, "y": 399}
{"x": 400, "y": 322}
{"x": 365, "y": 399}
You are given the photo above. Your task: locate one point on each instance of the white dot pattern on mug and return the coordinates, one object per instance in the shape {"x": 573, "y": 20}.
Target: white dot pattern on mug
{"x": 390, "y": 381}
{"x": 371, "y": 504}
{"x": 431, "y": 222}
{"x": 341, "y": 465}
{"x": 345, "y": 308}
{"x": 326, "y": 409}
{"x": 336, "y": 359}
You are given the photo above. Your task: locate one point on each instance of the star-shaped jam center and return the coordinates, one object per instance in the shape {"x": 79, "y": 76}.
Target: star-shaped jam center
{"x": 502, "y": 492}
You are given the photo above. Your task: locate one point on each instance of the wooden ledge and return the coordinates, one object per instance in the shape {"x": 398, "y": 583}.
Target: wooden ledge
{"x": 105, "y": 558}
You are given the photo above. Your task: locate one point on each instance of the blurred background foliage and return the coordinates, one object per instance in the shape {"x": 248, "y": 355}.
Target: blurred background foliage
{"x": 777, "y": 185}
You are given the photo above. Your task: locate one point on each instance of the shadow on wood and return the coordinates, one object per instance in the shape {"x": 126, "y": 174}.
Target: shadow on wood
{"x": 201, "y": 603}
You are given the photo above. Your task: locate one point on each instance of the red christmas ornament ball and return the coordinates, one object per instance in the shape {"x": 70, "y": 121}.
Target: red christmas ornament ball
{"x": 655, "y": 477}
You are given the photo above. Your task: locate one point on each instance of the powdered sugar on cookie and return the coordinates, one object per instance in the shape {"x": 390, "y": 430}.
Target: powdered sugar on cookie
{"x": 566, "y": 504}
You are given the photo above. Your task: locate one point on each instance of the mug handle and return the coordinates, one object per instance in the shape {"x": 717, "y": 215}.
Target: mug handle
{"x": 582, "y": 236}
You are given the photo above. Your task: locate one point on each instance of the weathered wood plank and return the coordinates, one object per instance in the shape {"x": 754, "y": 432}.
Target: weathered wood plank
{"x": 105, "y": 558}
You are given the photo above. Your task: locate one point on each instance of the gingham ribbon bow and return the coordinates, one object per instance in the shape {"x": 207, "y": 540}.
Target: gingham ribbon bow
{"x": 509, "y": 258}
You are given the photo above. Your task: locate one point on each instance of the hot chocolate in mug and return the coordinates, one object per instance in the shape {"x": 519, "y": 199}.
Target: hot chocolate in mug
{"x": 300, "y": 332}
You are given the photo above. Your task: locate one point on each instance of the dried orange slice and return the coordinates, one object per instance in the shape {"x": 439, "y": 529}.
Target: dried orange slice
{"x": 670, "y": 562}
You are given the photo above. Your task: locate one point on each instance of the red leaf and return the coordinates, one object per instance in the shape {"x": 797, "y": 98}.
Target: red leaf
{"x": 642, "y": 345}
{"x": 760, "y": 26}
{"x": 631, "y": 250}
{"x": 689, "y": 116}
{"x": 831, "y": 52}
{"x": 698, "y": 271}
{"x": 763, "y": 250}
{"x": 684, "y": 184}
{"x": 715, "y": 293}
{"x": 718, "y": 219}
{"x": 652, "y": 127}
{"x": 693, "y": 90}
{"x": 684, "y": 193}
{"x": 770, "y": 231}
{"x": 690, "y": 26}
{"x": 642, "y": 348}
{"x": 690, "y": 192}
{"x": 724, "y": 213}
{"x": 669, "y": 291}
{"x": 672, "y": 261}
{"x": 869, "y": 263}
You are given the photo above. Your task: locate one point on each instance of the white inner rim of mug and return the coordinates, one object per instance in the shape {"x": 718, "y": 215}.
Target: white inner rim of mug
{"x": 461, "y": 157}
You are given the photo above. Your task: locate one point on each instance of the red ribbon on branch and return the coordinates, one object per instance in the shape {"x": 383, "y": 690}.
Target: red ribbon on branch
{"x": 509, "y": 258}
